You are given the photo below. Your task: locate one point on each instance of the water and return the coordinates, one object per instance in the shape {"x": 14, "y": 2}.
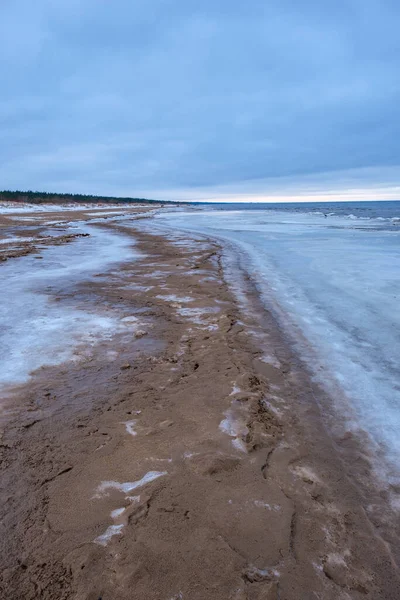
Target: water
{"x": 361, "y": 210}
{"x": 334, "y": 283}
{"x": 36, "y": 330}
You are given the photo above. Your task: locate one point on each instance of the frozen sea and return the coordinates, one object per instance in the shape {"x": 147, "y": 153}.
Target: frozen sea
{"x": 36, "y": 330}
{"x": 331, "y": 273}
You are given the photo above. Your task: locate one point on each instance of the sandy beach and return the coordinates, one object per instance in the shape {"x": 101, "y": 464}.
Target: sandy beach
{"x": 184, "y": 454}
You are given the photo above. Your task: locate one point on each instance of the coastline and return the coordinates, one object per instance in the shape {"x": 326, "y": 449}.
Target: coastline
{"x": 250, "y": 496}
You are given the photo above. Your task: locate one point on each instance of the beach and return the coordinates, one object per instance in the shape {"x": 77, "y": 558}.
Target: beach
{"x": 164, "y": 439}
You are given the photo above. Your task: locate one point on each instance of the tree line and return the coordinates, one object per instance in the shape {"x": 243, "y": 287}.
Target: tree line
{"x": 50, "y": 197}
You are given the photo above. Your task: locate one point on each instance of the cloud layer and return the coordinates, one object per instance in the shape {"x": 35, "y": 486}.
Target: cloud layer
{"x": 181, "y": 99}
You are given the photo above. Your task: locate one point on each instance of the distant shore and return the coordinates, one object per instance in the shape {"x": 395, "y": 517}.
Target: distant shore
{"x": 30, "y": 197}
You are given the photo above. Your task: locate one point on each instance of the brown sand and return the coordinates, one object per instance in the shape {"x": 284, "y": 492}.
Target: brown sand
{"x": 276, "y": 515}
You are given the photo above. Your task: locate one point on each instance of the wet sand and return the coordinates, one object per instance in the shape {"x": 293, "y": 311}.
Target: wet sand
{"x": 187, "y": 458}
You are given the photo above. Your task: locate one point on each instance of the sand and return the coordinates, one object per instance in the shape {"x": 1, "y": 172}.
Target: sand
{"x": 188, "y": 458}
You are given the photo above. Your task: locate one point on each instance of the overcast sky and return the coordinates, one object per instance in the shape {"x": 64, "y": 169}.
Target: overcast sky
{"x": 217, "y": 99}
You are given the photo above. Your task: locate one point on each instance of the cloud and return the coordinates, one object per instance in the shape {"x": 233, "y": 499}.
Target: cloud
{"x": 172, "y": 98}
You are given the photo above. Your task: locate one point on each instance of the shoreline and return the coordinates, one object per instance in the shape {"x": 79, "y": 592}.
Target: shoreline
{"x": 250, "y": 500}
{"x": 336, "y": 404}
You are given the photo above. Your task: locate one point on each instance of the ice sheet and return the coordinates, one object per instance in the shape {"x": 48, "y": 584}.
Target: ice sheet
{"x": 35, "y": 330}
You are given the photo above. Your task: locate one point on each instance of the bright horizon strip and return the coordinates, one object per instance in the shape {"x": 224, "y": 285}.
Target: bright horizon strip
{"x": 357, "y": 195}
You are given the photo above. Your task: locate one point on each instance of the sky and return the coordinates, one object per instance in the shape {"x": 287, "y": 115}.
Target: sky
{"x": 211, "y": 100}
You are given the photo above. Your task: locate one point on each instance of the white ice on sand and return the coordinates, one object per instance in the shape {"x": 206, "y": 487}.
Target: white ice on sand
{"x": 36, "y": 330}
{"x": 117, "y": 528}
{"x": 198, "y": 316}
{"x": 262, "y": 504}
{"x": 129, "y": 486}
{"x": 130, "y": 427}
{"x": 16, "y": 240}
{"x": 131, "y": 320}
{"x": 118, "y": 513}
{"x": 174, "y": 298}
{"x": 105, "y": 537}
{"x": 235, "y": 390}
{"x": 19, "y": 207}
{"x": 234, "y": 425}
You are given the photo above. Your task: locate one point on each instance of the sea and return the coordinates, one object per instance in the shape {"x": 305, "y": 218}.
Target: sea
{"x": 389, "y": 209}
{"x": 330, "y": 272}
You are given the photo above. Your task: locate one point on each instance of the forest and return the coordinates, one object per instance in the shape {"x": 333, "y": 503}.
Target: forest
{"x": 55, "y": 198}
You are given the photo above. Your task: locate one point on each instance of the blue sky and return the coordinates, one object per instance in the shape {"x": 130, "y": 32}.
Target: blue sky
{"x": 201, "y": 100}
